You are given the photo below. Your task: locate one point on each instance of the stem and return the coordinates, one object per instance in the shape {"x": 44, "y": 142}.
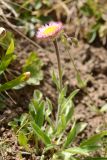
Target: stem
{"x": 59, "y": 63}
{"x": 77, "y": 71}
{"x": 60, "y": 76}
{"x": 72, "y": 61}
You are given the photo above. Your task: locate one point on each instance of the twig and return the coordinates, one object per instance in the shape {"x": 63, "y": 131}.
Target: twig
{"x": 9, "y": 7}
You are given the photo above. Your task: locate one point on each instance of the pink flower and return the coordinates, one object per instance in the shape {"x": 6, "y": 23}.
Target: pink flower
{"x": 49, "y": 31}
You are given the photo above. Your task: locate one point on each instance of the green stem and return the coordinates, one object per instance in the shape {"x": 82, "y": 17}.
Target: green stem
{"x": 60, "y": 76}
{"x": 77, "y": 71}
{"x": 59, "y": 63}
{"x": 72, "y": 61}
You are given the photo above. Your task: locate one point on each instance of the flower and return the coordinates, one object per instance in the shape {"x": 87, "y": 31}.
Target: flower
{"x": 2, "y": 32}
{"x": 50, "y": 31}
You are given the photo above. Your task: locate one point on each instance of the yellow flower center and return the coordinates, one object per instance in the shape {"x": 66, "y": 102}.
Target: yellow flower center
{"x": 50, "y": 29}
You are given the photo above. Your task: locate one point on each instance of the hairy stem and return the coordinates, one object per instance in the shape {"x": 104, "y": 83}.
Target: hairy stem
{"x": 59, "y": 63}
{"x": 60, "y": 76}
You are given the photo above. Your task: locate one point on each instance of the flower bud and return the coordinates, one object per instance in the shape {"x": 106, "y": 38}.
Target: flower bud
{"x": 2, "y": 32}
{"x": 27, "y": 75}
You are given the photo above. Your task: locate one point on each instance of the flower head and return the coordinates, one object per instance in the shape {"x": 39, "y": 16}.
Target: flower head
{"x": 50, "y": 31}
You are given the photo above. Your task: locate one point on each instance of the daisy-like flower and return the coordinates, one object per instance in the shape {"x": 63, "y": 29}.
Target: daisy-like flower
{"x": 50, "y": 31}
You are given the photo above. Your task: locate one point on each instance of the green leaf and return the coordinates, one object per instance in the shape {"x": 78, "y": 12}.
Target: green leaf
{"x": 34, "y": 65}
{"x": 2, "y": 103}
{"x": 71, "y": 136}
{"x": 48, "y": 112}
{"x": 37, "y": 108}
{"x": 40, "y": 115}
{"x": 67, "y": 107}
{"x": 10, "y": 49}
{"x": 42, "y": 135}
{"x": 22, "y": 139}
{"x": 97, "y": 158}
{"x": 94, "y": 139}
{"x": 4, "y": 43}
{"x": 62, "y": 95}
{"x": 81, "y": 150}
{"x": 63, "y": 156}
{"x": 49, "y": 107}
{"x": 23, "y": 119}
{"x": 37, "y": 95}
{"x": 92, "y": 36}
{"x": 81, "y": 83}
{"x": 14, "y": 82}
{"x": 71, "y": 96}
{"x": 80, "y": 127}
{"x": 77, "y": 150}
{"x": 65, "y": 116}
{"x": 55, "y": 80}
{"x": 5, "y": 61}
{"x": 38, "y": 4}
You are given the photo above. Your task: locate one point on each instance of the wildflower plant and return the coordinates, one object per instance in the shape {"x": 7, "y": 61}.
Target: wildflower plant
{"x": 54, "y": 136}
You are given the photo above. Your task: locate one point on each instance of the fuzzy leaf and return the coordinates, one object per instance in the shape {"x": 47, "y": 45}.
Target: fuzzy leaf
{"x": 42, "y": 135}
{"x": 94, "y": 139}
{"x": 34, "y": 65}
{"x": 5, "y": 61}
{"x": 71, "y": 136}
{"x": 9, "y": 85}
{"x": 22, "y": 139}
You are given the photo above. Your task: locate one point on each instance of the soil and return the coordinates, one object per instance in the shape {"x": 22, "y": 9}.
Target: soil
{"x": 92, "y": 64}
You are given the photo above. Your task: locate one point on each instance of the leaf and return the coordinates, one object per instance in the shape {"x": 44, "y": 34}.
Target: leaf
{"x": 81, "y": 150}
{"x": 14, "y": 82}
{"x": 48, "y": 112}
{"x": 2, "y": 103}
{"x": 81, "y": 83}
{"x": 42, "y": 135}
{"x": 65, "y": 116}
{"x": 37, "y": 95}
{"x": 23, "y": 119}
{"x": 4, "y": 43}
{"x": 63, "y": 156}
{"x": 76, "y": 150}
{"x": 92, "y": 36}
{"x": 62, "y": 95}
{"x": 71, "y": 136}
{"x": 49, "y": 107}
{"x": 37, "y": 108}
{"x": 5, "y": 61}
{"x": 94, "y": 139}
{"x": 80, "y": 127}
{"x": 34, "y": 65}
{"x": 71, "y": 96}
{"x": 38, "y": 4}
{"x": 66, "y": 109}
{"x": 97, "y": 158}
{"x": 55, "y": 80}
{"x": 10, "y": 49}
{"x": 13, "y": 124}
{"x": 22, "y": 139}
{"x": 40, "y": 115}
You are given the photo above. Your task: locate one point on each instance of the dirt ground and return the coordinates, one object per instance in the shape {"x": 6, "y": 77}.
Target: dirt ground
{"x": 92, "y": 64}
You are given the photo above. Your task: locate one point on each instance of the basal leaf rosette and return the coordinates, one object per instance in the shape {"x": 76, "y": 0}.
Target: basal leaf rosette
{"x": 49, "y": 31}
